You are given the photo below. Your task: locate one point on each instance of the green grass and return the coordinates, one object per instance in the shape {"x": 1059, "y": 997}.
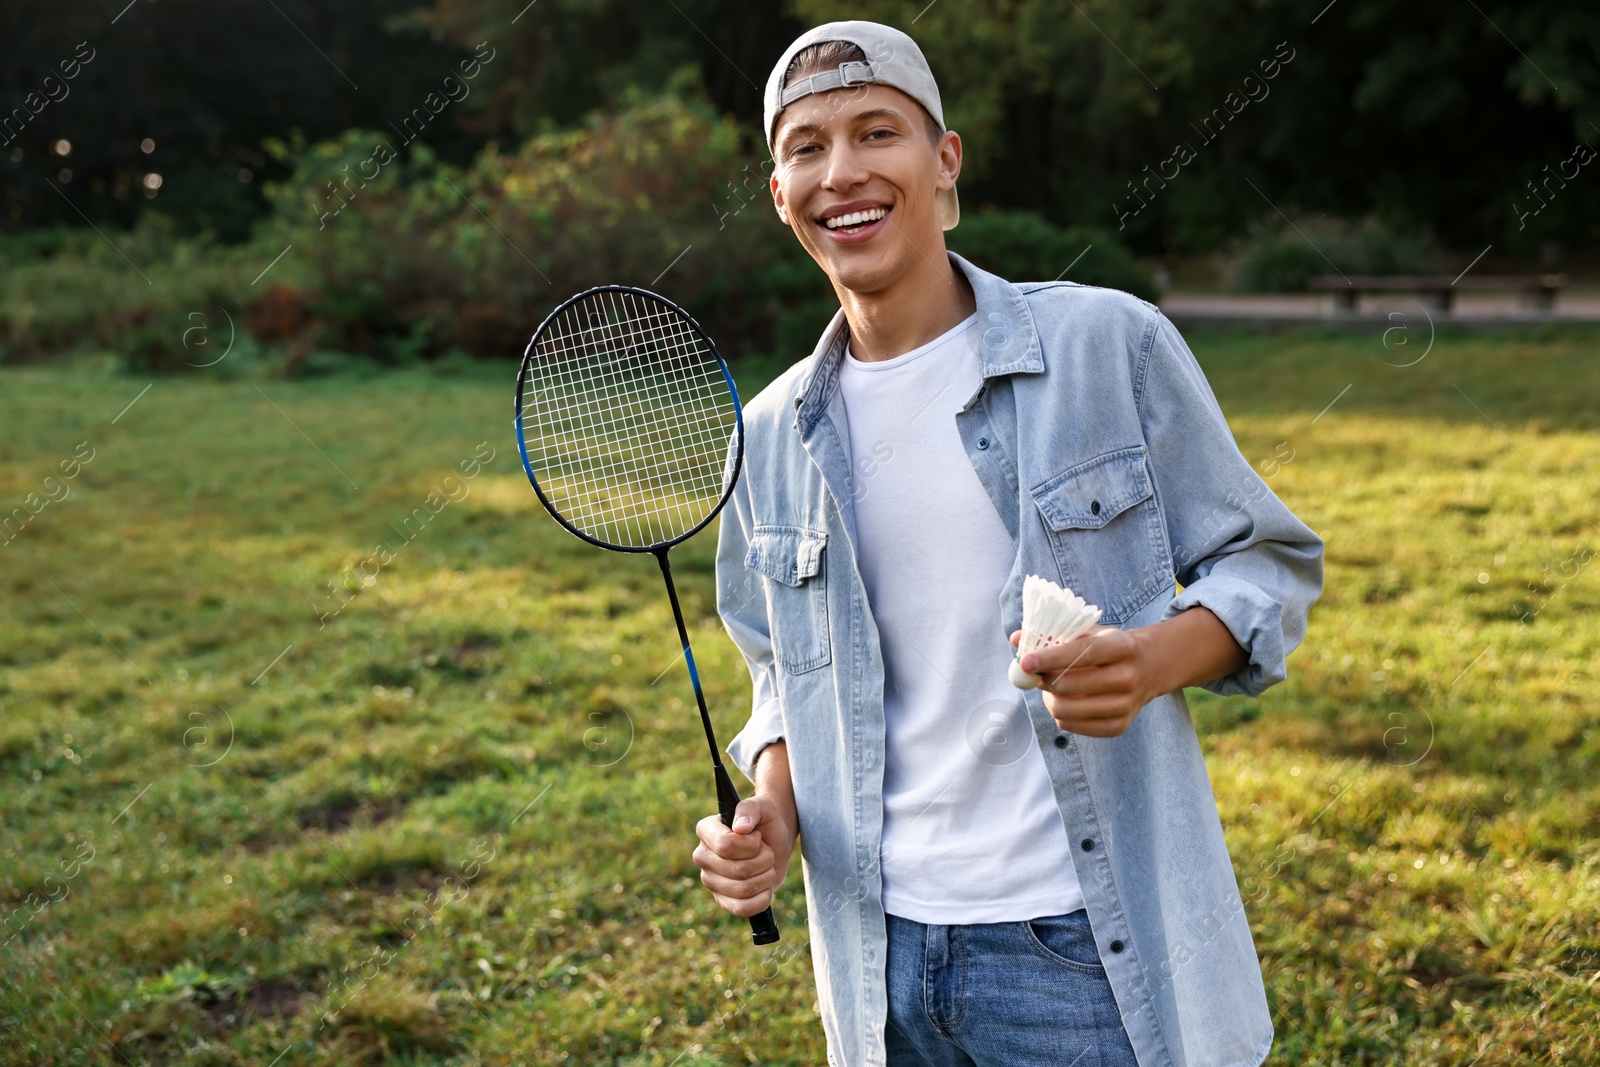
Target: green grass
{"x": 458, "y": 812}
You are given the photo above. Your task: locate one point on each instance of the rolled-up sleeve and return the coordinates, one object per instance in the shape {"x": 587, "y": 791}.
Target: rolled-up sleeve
{"x": 1237, "y": 549}
{"x": 742, "y": 604}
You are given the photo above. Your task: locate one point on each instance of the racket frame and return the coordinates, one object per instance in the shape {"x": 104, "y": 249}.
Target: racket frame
{"x": 727, "y": 376}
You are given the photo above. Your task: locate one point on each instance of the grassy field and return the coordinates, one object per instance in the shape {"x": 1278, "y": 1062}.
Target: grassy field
{"x": 314, "y": 749}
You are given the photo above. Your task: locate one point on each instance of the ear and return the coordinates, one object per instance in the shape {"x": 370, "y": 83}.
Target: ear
{"x": 778, "y": 202}
{"x": 949, "y": 159}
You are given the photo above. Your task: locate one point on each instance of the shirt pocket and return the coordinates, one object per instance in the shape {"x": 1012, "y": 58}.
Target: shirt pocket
{"x": 792, "y": 559}
{"x": 1106, "y": 532}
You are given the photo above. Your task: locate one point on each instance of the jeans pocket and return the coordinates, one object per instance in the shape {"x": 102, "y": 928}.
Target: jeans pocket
{"x": 792, "y": 558}
{"x": 1066, "y": 940}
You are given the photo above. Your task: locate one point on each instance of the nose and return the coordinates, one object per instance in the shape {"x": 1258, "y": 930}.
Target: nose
{"x": 845, "y": 170}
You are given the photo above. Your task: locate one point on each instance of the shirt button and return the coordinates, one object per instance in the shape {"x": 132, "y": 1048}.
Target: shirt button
{"x": 1088, "y": 845}
{"x": 1061, "y": 740}
{"x": 983, "y": 443}
{"x": 1094, "y": 507}
{"x": 1116, "y": 946}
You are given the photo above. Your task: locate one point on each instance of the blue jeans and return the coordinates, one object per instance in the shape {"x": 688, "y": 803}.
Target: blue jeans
{"x": 1014, "y": 994}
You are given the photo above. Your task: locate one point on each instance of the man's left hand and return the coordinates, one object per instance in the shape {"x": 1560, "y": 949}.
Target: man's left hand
{"x": 1095, "y": 683}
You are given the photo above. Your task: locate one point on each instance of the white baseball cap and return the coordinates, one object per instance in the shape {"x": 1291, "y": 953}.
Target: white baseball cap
{"x": 893, "y": 59}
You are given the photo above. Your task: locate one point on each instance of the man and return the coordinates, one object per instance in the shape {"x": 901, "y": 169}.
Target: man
{"x": 992, "y": 876}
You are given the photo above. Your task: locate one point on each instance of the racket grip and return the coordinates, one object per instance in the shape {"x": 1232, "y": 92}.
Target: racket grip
{"x": 763, "y": 927}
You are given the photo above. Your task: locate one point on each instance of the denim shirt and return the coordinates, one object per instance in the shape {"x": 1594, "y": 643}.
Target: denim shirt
{"x": 1105, "y": 453}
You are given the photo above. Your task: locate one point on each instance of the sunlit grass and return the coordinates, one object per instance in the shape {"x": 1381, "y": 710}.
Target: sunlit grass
{"x": 445, "y": 815}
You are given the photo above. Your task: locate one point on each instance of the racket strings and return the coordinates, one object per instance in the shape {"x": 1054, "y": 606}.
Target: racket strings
{"x": 650, "y": 393}
{"x": 631, "y": 422}
{"x": 628, "y": 418}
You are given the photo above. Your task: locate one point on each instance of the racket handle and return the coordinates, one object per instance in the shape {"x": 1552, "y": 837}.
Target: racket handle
{"x": 763, "y": 927}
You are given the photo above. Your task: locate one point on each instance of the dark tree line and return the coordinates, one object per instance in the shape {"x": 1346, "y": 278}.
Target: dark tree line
{"x": 1176, "y": 123}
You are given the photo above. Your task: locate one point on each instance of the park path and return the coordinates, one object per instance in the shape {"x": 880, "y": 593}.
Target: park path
{"x": 1312, "y": 309}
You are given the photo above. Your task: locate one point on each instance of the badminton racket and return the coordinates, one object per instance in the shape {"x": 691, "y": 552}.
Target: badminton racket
{"x": 631, "y": 433}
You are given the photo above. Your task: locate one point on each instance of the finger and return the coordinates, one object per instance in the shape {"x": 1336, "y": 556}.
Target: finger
{"x": 732, "y": 846}
{"x": 1079, "y": 652}
{"x": 1085, "y": 709}
{"x": 1089, "y": 705}
{"x": 712, "y": 829}
{"x": 1096, "y": 728}
{"x": 738, "y": 870}
{"x": 744, "y": 908}
{"x": 709, "y": 828}
{"x": 1077, "y": 720}
{"x": 1102, "y": 683}
{"x": 1092, "y": 649}
{"x": 1016, "y": 638}
{"x": 738, "y": 888}
{"x": 724, "y": 842}
{"x": 747, "y": 815}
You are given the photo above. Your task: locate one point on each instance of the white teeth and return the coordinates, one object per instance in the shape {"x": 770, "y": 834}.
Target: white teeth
{"x": 858, "y": 218}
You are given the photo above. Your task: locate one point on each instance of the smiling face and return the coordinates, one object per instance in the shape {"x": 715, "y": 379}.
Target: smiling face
{"x": 857, "y": 180}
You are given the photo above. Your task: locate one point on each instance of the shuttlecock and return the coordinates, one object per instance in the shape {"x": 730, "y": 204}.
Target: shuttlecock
{"x": 1050, "y": 615}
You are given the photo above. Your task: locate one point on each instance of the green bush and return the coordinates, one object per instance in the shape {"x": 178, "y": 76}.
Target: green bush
{"x": 23, "y": 247}
{"x": 1024, "y": 247}
{"x": 424, "y": 258}
{"x": 398, "y": 257}
{"x": 150, "y": 296}
{"x": 1276, "y": 256}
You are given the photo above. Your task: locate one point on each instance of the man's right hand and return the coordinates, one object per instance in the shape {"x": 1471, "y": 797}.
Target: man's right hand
{"x": 744, "y": 864}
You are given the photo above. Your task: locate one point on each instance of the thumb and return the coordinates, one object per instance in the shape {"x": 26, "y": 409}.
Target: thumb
{"x": 746, "y": 815}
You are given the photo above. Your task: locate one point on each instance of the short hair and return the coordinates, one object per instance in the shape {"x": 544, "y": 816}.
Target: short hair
{"x": 827, "y": 55}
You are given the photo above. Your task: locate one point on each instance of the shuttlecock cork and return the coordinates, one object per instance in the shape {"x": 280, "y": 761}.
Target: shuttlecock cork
{"x": 1050, "y": 615}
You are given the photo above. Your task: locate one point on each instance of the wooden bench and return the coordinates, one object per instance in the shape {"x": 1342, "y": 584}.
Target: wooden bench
{"x": 1539, "y": 290}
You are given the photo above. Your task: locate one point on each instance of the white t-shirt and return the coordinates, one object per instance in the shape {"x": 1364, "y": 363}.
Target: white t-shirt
{"x": 971, "y": 830}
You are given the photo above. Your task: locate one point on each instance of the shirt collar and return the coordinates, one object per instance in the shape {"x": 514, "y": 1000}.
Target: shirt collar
{"x": 1010, "y": 342}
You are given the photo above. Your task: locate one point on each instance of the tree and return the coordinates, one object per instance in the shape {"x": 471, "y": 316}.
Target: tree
{"x": 1432, "y": 115}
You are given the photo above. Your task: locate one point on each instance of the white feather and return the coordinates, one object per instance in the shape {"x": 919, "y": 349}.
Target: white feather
{"x": 1050, "y": 615}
